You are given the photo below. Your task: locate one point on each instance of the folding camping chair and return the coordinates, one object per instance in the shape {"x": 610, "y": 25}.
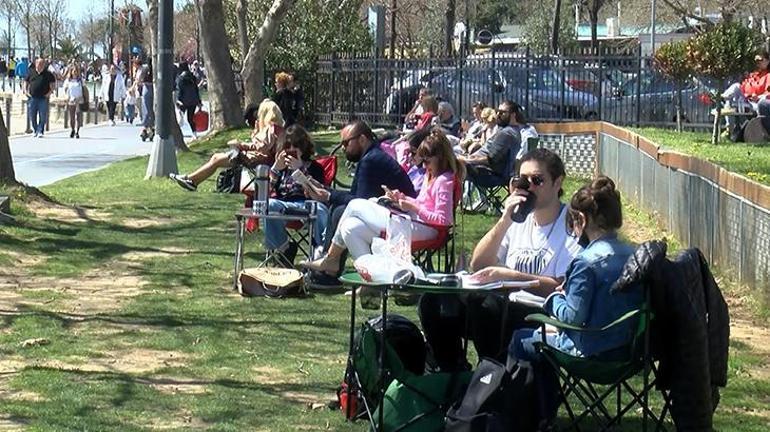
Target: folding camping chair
{"x": 581, "y": 376}
{"x": 492, "y": 187}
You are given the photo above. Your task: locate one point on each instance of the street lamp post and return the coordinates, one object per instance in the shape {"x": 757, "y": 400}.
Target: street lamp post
{"x": 112, "y": 31}
{"x": 652, "y": 29}
{"x": 163, "y": 156}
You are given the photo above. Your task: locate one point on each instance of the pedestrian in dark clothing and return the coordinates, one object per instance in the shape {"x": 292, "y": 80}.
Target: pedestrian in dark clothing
{"x": 187, "y": 94}
{"x": 38, "y": 86}
{"x": 284, "y": 98}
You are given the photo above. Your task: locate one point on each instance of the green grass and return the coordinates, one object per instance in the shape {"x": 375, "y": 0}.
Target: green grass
{"x": 748, "y": 160}
{"x": 184, "y": 351}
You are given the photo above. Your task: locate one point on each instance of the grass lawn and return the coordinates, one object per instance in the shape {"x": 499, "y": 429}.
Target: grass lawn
{"x": 748, "y": 160}
{"x": 119, "y": 315}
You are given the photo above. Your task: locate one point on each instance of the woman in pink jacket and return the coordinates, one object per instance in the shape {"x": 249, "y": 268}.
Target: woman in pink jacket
{"x": 433, "y": 209}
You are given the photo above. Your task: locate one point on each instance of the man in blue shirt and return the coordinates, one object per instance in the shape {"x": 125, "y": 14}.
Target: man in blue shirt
{"x": 374, "y": 169}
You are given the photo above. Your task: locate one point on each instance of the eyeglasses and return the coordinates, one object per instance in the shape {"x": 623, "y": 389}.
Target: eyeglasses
{"x": 345, "y": 142}
{"x": 535, "y": 179}
{"x": 503, "y": 112}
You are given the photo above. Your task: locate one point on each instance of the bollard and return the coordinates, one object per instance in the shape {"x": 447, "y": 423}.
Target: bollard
{"x": 26, "y": 115}
{"x": 8, "y": 115}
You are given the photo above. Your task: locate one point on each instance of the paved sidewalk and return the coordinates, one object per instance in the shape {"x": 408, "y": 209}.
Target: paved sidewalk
{"x": 56, "y": 156}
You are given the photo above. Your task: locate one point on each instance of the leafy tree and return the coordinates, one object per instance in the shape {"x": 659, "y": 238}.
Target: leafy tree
{"x": 68, "y": 48}
{"x": 672, "y": 62}
{"x": 723, "y": 52}
{"x": 537, "y": 29}
{"x": 491, "y": 15}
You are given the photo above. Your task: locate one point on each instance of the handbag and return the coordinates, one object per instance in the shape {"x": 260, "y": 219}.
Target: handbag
{"x": 270, "y": 282}
{"x": 229, "y": 180}
{"x": 84, "y": 105}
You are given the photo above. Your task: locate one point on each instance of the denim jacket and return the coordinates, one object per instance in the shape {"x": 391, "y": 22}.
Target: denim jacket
{"x": 587, "y": 301}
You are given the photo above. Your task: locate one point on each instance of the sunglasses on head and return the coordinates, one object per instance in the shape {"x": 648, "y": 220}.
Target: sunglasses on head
{"x": 535, "y": 179}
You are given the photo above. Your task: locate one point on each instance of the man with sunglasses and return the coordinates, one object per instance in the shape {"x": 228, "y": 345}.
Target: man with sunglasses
{"x": 539, "y": 248}
{"x": 493, "y": 158}
{"x": 374, "y": 169}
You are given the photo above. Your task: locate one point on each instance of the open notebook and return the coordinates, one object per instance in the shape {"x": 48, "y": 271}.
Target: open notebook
{"x": 468, "y": 282}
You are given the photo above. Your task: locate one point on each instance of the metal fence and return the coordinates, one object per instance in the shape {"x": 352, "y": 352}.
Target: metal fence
{"x": 619, "y": 88}
{"x": 732, "y": 232}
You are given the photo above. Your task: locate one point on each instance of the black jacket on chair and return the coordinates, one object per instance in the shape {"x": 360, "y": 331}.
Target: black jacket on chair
{"x": 691, "y": 329}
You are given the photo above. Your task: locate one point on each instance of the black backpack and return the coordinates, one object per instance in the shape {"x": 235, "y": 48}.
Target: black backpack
{"x": 497, "y": 401}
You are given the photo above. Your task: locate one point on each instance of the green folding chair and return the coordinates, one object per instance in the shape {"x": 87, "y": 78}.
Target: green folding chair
{"x": 582, "y": 377}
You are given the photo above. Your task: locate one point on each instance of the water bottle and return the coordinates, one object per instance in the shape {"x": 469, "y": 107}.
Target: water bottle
{"x": 262, "y": 189}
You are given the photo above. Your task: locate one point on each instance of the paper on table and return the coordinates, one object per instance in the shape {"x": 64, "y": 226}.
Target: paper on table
{"x": 468, "y": 282}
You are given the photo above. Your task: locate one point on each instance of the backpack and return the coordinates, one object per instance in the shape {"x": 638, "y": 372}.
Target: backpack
{"x": 405, "y": 353}
{"x": 497, "y": 401}
{"x": 418, "y": 403}
{"x": 229, "y": 180}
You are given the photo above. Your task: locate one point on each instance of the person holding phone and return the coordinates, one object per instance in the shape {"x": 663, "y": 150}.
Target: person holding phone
{"x": 295, "y": 157}
{"x": 267, "y": 137}
{"x": 363, "y": 220}
{"x": 538, "y": 248}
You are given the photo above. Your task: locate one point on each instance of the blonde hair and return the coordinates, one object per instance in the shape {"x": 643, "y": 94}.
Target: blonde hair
{"x": 282, "y": 79}
{"x": 489, "y": 115}
{"x": 269, "y": 113}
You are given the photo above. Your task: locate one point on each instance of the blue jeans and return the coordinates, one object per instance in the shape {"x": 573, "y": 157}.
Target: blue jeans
{"x": 275, "y": 230}
{"x": 38, "y": 113}
{"x": 130, "y": 113}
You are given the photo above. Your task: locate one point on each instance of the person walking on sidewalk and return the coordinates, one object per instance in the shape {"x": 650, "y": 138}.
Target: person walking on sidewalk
{"x": 187, "y": 94}
{"x": 113, "y": 91}
{"x": 73, "y": 87}
{"x": 38, "y": 86}
{"x": 148, "y": 113}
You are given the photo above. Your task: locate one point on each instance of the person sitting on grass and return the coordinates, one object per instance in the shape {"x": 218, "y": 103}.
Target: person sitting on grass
{"x": 296, "y": 155}
{"x": 584, "y": 299}
{"x": 363, "y": 220}
{"x": 267, "y": 137}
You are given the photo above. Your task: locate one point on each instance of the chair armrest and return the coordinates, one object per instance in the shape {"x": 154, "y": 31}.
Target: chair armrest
{"x": 544, "y": 319}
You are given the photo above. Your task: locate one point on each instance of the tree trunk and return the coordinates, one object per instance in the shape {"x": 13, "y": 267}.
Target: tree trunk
{"x": 450, "y": 27}
{"x": 7, "y": 173}
{"x": 593, "y": 16}
{"x": 253, "y": 64}
{"x": 242, "y": 14}
{"x": 555, "y": 27}
{"x": 223, "y": 100}
{"x": 176, "y": 132}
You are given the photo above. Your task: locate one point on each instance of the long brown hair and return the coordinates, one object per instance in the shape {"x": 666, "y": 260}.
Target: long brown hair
{"x": 436, "y": 144}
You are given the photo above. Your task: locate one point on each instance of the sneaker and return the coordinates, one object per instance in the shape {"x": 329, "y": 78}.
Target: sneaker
{"x": 72, "y": 134}
{"x": 184, "y": 182}
{"x": 77, "y": 135}
{"x": 323, "y": 283}
{"x": 35, "y": 134}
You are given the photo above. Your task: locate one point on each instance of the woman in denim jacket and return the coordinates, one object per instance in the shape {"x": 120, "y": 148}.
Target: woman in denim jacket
{"x": 584, "y": 299}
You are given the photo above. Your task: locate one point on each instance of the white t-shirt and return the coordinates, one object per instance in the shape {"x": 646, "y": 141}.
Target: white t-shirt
{"x": 540, "y": 250}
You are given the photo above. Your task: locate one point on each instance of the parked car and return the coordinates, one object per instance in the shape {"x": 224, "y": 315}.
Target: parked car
{"x": 657, "y": 101}
{"x": 404, "y": 90}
